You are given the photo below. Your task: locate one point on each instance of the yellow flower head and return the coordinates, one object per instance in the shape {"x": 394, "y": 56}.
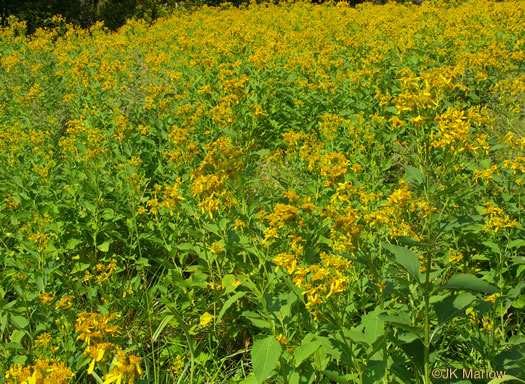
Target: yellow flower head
{"x": 205, "y": 319}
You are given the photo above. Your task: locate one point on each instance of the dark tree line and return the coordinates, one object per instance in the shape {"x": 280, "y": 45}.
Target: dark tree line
{"x": 114, "y": 13}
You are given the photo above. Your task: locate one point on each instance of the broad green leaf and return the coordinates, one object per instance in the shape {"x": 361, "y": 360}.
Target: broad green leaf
{"x": 265, "y": 355}
{"x": 452, "y": 305}
{"x": 402, "y": 323}
{"x": 375, "y": 371}
{"x": 229, "y": 283}
{"x": 17, "y": 336}
{"x": 250, "y": 380}
{"x": 19, "y": 321}
{"x": 72, "y": 243}
{"x": 405, "y": 258}
{"x": 498, "y": 380}
{"x": 391, "y": 109}
{"x": 518, "y": 243}
{"x": 357, "y": 335}
{"x": 469, "y": 282}
{"x": 374, "y": 326}
{"x": 335, "y": 377}
{"x": 414, "y": 175}
{"x": 104, "y": 247}
{"x": 305, "y": 350}
{"x": 256, "y": 319}
{"x": 228, "y": 303}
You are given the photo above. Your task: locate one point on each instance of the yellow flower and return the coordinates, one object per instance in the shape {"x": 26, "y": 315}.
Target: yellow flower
{"x": 282, "y": 339}
{"x": 216, "y": 248}
{"x": 381, "y": 286}
{"x": 239, "y": 224}
{"x": 65, "y": 302}
{"x": 124, "y": 368}
{"x": 492, "y": 298}
{"x": 205, "y": 319}
{"x": 96, "y": 352}
{"x": 455, "y": 257}
{"x": 178, "y": 365}
{"x": 43, "y": 339}
{"x": 46, "y": 297}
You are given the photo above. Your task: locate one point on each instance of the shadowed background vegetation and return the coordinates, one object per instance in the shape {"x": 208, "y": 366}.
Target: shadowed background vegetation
{"x": 114, "y": 13}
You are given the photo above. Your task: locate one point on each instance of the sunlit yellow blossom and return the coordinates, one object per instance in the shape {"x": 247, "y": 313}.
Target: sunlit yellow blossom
{"x": 216, "y": 248}
{"x": 95, "y": 327}
{"x": 43, "y": 340}
{"x": 282, "y": 339}
{"x": 455, "y": 257}
{"x": 46, "y": 298}
{"x": 65, "y": 302}
{"x": 125, "y": 368}
{"x": 492, "y": 298}
{"x": 205, "y": 319}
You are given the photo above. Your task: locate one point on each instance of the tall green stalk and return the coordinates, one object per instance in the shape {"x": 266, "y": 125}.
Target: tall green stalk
{"x": 428, "y": 259}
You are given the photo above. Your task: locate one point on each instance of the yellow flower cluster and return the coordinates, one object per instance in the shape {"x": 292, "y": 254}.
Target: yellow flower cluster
{"x": 184, "y": 148}
{"x": 319, "y": 281}
{"x": 103, "y": 271}
{"x": 392, "y": 214}
{"x": 95, "y": 327}
{"x": 45, "y": 371}
{"x": 453, "y": 131}
{"x": 95, "y": 330}
{"x": 496, "y": 219}
{"x": 281, "y": 214}
{"x": 125, "y": 368}
{"x": 209, "y": 180}
{"x": 169, "y": 199}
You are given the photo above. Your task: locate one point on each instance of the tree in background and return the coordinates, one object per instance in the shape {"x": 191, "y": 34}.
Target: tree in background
{"x": 114, "y": 13}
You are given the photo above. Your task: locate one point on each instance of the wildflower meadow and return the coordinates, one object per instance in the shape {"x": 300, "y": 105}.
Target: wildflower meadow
{"x": 284, "y": 193}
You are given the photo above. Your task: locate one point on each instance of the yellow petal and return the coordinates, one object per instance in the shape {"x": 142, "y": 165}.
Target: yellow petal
{"x": 100, "y": 354}
{"x": 205, "y": 319}
{"x": 91, "y": 367}
{"x": 111, "y": 379}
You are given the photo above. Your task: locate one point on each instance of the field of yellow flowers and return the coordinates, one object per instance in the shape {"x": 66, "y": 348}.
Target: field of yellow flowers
{"x": 288, "y": 193}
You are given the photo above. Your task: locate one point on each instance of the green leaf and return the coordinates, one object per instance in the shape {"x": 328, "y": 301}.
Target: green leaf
{"x": 305, "y": 350}
{"x": 335, "y": 377}
{"x": 229, "y": 303}
{"x": 265, "y": 355}
{"x": 414, "y": 176}
{"x": 375, "y": 371}
{"x": 72, "y": 243}
{"x": 469, "y": 282}
{"x": 104, "y": 247}
{"x": 498, "y": 380}
{"x": 452, "y": 305}
{"x": 250, "y": 380}
{"x": 97, "y": 377}
{"x": 17, "y": 336}
{"x": 406, "y": 259}
{"x": 402, "y": 323}
{"x": 228, "y": 283}
{"x": 518, "y": 243}
{"x": 256, "y": 319}
{"x": 161, "y": 326}
{"x": 19, "y": 321}
{"x": 391, "y": 109}
{"x": 374, "y": 326}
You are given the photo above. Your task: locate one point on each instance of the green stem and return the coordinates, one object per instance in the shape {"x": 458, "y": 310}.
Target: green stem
{"x": 148, "y": 309}
{"x": 428, "y": 264}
